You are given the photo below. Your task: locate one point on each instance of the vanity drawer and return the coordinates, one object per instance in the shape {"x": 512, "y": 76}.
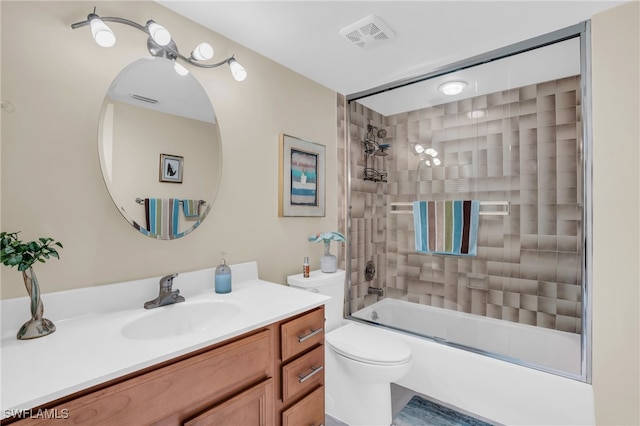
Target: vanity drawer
{"x": 302, "y": 333}
{"x": 303, "y": 374}
{"x": 309, "y": 411}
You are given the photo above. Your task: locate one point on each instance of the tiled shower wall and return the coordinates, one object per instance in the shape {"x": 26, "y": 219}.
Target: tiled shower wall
{"x": 368, "y": 239}
{"x": 526, "y": 150}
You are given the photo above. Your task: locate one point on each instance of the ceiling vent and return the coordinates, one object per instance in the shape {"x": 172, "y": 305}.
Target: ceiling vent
{"x": 144, "y": 99}
{"x": 367, "y": 32}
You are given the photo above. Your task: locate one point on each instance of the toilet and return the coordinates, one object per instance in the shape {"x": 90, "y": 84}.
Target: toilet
{"x": 360, "y": 361}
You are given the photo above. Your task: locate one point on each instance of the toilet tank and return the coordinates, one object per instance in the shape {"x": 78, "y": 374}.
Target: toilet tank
{"x": 328, "y": 284}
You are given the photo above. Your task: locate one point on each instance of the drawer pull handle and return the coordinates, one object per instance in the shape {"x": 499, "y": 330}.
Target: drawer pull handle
{"x": 302, "y": 338}
{"x": 314, "y": 370}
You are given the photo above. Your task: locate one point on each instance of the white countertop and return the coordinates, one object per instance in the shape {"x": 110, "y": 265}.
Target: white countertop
{"x": 88, "y": 347}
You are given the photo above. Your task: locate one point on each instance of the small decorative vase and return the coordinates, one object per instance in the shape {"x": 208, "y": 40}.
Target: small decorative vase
{"x": 36, "y": 326}
{"x": 328, "y": 262}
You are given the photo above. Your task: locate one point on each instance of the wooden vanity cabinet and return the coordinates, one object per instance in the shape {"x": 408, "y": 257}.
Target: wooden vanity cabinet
{"x": 270, "y": 376}
{"x": 229, "y": 381}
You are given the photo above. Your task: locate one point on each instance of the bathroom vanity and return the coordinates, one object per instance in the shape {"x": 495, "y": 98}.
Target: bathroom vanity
{"x": 263, "y": 364}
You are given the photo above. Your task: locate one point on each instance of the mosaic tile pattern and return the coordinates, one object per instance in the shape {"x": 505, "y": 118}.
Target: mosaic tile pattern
{"x": 525, "y": 150}
{"x": 368, "y": 207}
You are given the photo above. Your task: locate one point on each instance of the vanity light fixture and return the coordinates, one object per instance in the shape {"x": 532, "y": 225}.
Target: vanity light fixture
{"x": 452, "y": 87}
{"x": 417, "y": 148}
{"x": 102, "y": 34}
{"x": 427, "y": 155}
{"x": 180, "y": 69}
{"x": 159, "y": 43}
{"x": 238, "y": 71}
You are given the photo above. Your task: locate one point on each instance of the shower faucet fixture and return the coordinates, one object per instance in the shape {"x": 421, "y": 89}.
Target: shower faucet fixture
{"x": 376, "y": 291}
{"x": 369, "y": 271}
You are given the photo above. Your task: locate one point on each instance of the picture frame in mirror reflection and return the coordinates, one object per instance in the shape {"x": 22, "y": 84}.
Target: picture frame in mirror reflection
{"x": 171, "y": 167}
{"x": 301, "y": 189}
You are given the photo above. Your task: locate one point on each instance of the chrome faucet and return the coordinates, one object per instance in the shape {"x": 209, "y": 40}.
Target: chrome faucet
{"x": 167, "y": 296}
{"x": 373, "y": 290}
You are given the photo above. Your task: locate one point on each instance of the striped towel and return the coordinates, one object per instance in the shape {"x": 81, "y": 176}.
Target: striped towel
{"x": 162, "y": 217}
{"x": 446, "y": 227}
{"x": 191, "y": 208}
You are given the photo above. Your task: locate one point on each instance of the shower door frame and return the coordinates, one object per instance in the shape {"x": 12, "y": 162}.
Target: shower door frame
{"x": 583, "y": 31}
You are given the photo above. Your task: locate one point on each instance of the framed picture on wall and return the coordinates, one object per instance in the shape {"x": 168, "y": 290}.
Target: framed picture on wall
{"x": 301, "y": 177}
{"x": 171, "y": 168}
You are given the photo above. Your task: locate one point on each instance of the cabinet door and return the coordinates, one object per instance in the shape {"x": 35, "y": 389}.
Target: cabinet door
{"x": 253, "y": 407}
{"x": 309, "y": 411}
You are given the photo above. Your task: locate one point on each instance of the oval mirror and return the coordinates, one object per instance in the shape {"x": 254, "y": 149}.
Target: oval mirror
{"x": 160, "y": 148}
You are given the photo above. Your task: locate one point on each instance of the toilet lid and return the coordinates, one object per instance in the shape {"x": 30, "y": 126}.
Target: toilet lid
{"x": 368, "y": 345}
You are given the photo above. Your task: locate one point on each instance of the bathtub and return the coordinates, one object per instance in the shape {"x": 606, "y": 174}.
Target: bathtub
{"x": 550, "y": 349}
{"x": 501, "y": 391}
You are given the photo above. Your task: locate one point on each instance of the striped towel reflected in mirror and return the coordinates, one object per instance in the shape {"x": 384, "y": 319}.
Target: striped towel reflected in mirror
{"x": 191, "y": 208}
{"x": 162, "y": 216}
{"x": 446, "y": 227}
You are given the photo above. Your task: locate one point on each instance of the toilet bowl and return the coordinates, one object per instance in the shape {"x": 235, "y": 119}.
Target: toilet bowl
{"x": 360, "y": 361}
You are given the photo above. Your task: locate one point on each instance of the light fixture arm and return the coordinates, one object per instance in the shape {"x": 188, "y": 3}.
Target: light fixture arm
{"x": 169, "y": 50}
{"x": 124, "y": 21}
{"x": 173, "y": 49}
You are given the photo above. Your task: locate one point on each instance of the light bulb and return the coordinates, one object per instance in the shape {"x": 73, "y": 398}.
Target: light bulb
{"x": 419, "y": 149}
{"x": 202, "y": 52}
{"x": 182, "y": 71}
{"x": 159, "y": 34}
{"x": 102, "y": 34}
{"x": 452, "y": 87}
{"x": 476, "y": 113}
{"x": 238, "y": 71}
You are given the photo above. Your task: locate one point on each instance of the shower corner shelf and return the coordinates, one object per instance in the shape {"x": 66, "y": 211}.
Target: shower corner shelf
{"x": 374, "y": 175}
{"x": 373, "y": 149}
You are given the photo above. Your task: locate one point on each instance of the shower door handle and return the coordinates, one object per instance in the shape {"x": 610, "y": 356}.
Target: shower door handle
{"x": 310, "y": 335}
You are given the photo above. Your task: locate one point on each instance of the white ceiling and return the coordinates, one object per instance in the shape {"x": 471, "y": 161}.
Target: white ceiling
{"x": 305, "y": 35}
{"x": 552, "y": 62}
{"x": 156, "y": 80}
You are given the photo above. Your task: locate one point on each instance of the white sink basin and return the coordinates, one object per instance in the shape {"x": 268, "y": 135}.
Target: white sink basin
{"x": 181, "y": 318}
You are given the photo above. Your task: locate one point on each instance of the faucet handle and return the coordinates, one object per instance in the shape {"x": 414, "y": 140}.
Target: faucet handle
{"x": 166, "y": 282}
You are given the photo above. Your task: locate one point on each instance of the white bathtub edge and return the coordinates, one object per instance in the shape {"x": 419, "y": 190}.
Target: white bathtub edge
{"x": 503, "y": 392}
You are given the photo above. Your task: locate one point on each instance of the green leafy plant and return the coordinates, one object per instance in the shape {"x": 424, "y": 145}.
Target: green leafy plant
{"x": 14, "y": 252}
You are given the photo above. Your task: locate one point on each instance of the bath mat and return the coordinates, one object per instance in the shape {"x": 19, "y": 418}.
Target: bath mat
{"x": 419, "y": 412}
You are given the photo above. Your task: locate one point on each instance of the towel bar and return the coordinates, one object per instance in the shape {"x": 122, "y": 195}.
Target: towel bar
{"x": 397, "y": 208}
{"x": 141, "y": 201}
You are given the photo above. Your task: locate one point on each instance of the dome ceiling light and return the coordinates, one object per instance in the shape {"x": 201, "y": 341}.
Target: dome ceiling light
{"x": 451, "y": 88}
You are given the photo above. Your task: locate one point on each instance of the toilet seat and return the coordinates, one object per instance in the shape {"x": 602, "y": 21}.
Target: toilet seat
{"x": 368, "y": 345}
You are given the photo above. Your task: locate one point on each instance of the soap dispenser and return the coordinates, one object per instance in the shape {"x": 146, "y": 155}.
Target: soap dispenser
{"x": 223, "y": 277}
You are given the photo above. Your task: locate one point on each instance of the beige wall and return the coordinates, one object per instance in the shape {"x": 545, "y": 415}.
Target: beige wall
{"x": 616, "y": 247}
{"x": 51, "y": 180}
{"x": 52, "y": 185}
